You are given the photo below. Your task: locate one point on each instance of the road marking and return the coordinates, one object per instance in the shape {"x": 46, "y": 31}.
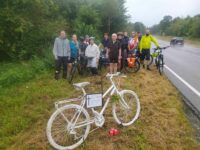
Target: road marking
{"x": 182, "y": 80}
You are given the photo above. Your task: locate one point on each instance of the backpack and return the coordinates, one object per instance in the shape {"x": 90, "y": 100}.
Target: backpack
{"x": 131, "y": 60}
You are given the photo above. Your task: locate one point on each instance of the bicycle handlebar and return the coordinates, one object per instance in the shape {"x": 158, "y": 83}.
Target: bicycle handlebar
{"x": 161, "y": 48}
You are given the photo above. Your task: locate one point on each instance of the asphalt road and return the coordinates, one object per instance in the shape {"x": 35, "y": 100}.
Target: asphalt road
{"x": 183, "y": 69}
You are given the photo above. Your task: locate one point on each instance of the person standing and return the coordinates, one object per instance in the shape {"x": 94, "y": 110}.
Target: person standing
{"x": 120, "y": 37}
{"x": 106, "y": 41}
{"x": 62, "y": 53}
{"x": 133, "y": 42}
{"x": 145, "y": 45}
{"x": 114, "y": 53}
{"x": 92, "y": 53}
{"x": 82, "y": 47}
{"x": 74, "y": 46}
{"x": 125, "y": 41}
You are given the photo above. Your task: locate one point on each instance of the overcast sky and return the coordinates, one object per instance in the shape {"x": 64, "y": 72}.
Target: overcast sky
{"x": 150, "y": 12}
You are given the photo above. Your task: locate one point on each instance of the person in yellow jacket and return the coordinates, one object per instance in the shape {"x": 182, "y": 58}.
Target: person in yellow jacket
{"x": 145, "y": 45}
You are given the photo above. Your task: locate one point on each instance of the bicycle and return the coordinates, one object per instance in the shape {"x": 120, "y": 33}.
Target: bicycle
{"x": 69, "y": 125}
{"x": 159, "y": 58}
{"x": 75, "y": 68}
{"x": 78, "y": 67}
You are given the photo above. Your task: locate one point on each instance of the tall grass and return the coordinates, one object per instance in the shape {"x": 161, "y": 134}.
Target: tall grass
{"x": 18, "y": 72}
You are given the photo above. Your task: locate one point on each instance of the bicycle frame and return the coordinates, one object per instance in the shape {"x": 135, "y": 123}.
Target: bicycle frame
{"x": 111, "y": 90}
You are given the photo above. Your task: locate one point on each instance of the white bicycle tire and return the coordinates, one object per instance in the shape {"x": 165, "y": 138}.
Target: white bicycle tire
{"x": 49, "y": 125}
{"x": 137, "y": 111}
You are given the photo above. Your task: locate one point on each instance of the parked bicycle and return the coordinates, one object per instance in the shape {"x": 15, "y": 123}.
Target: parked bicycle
{"x": 69, "y": 125}
{"x": 78, "y": 67}
{"x": 159, "y": 58}
{"x": 74, "y": 70}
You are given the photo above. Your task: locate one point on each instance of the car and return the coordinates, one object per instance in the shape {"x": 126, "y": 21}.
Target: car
{"x": 177, "y": 41}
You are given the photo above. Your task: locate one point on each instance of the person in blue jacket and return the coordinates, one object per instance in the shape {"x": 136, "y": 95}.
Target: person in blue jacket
{"x": 74, "y": 46}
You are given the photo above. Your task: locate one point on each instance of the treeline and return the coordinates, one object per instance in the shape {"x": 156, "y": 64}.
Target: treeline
{"x": 186, "y": 27}
{"x": 28, "y": 27}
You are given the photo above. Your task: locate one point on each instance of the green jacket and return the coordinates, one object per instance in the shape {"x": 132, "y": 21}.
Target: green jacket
{"x": 145, "y": 42}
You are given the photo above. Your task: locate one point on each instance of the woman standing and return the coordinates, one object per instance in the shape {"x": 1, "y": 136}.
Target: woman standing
{"x": 74, "y": 46}
{"x": 92, "y": 53}
{"x": 114, "y": 53}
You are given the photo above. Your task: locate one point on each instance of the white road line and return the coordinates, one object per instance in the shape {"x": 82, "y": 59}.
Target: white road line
{"x": 182, "y": 80}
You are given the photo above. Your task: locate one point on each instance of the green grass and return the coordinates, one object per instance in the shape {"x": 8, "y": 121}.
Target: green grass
{"x": 27, "y": 106}
{"x": 18, "y": 72}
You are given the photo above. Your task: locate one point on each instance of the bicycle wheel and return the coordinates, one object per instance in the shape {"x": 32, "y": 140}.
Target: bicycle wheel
{"x": 156, "y": 62}
{"x": 151, "y": 60}
{"x": 61, "y": 133}
{"x": 161, "y": 64}
{"x": 133, "y": 69}
{"x": 127, "y": 109}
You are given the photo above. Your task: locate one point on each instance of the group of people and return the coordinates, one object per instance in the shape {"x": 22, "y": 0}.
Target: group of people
{"x": 117, "y": 48}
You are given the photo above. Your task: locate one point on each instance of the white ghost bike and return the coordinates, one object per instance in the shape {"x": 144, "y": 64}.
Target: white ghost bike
{"x": 69, "y": 125}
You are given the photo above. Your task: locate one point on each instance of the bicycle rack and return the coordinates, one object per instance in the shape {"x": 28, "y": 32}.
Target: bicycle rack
{"x": 60, "y": 103}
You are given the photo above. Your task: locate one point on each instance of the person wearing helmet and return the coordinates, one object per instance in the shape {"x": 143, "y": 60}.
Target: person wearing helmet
{"x": 92, "y": 53}
{"x": 145, "y": 45}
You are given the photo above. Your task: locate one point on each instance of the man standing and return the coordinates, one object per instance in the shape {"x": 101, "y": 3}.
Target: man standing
{"x": 114, "y": 53}
{"x": 61, "y": 52}
{"x": 145, "y": 45}
{"x": 120, "y": 37}
{"x": 82, "y": 47}
{"x": 92, "y": 53}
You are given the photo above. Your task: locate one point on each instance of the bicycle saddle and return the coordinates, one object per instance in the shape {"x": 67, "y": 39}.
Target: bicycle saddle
{"x": 81, "y": 85}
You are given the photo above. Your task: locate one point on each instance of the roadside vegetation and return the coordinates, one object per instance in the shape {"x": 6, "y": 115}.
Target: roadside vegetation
{"x": 26, "y": 108}
{"x": 195, "y": 42}
{"x": 188, "y": 27}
